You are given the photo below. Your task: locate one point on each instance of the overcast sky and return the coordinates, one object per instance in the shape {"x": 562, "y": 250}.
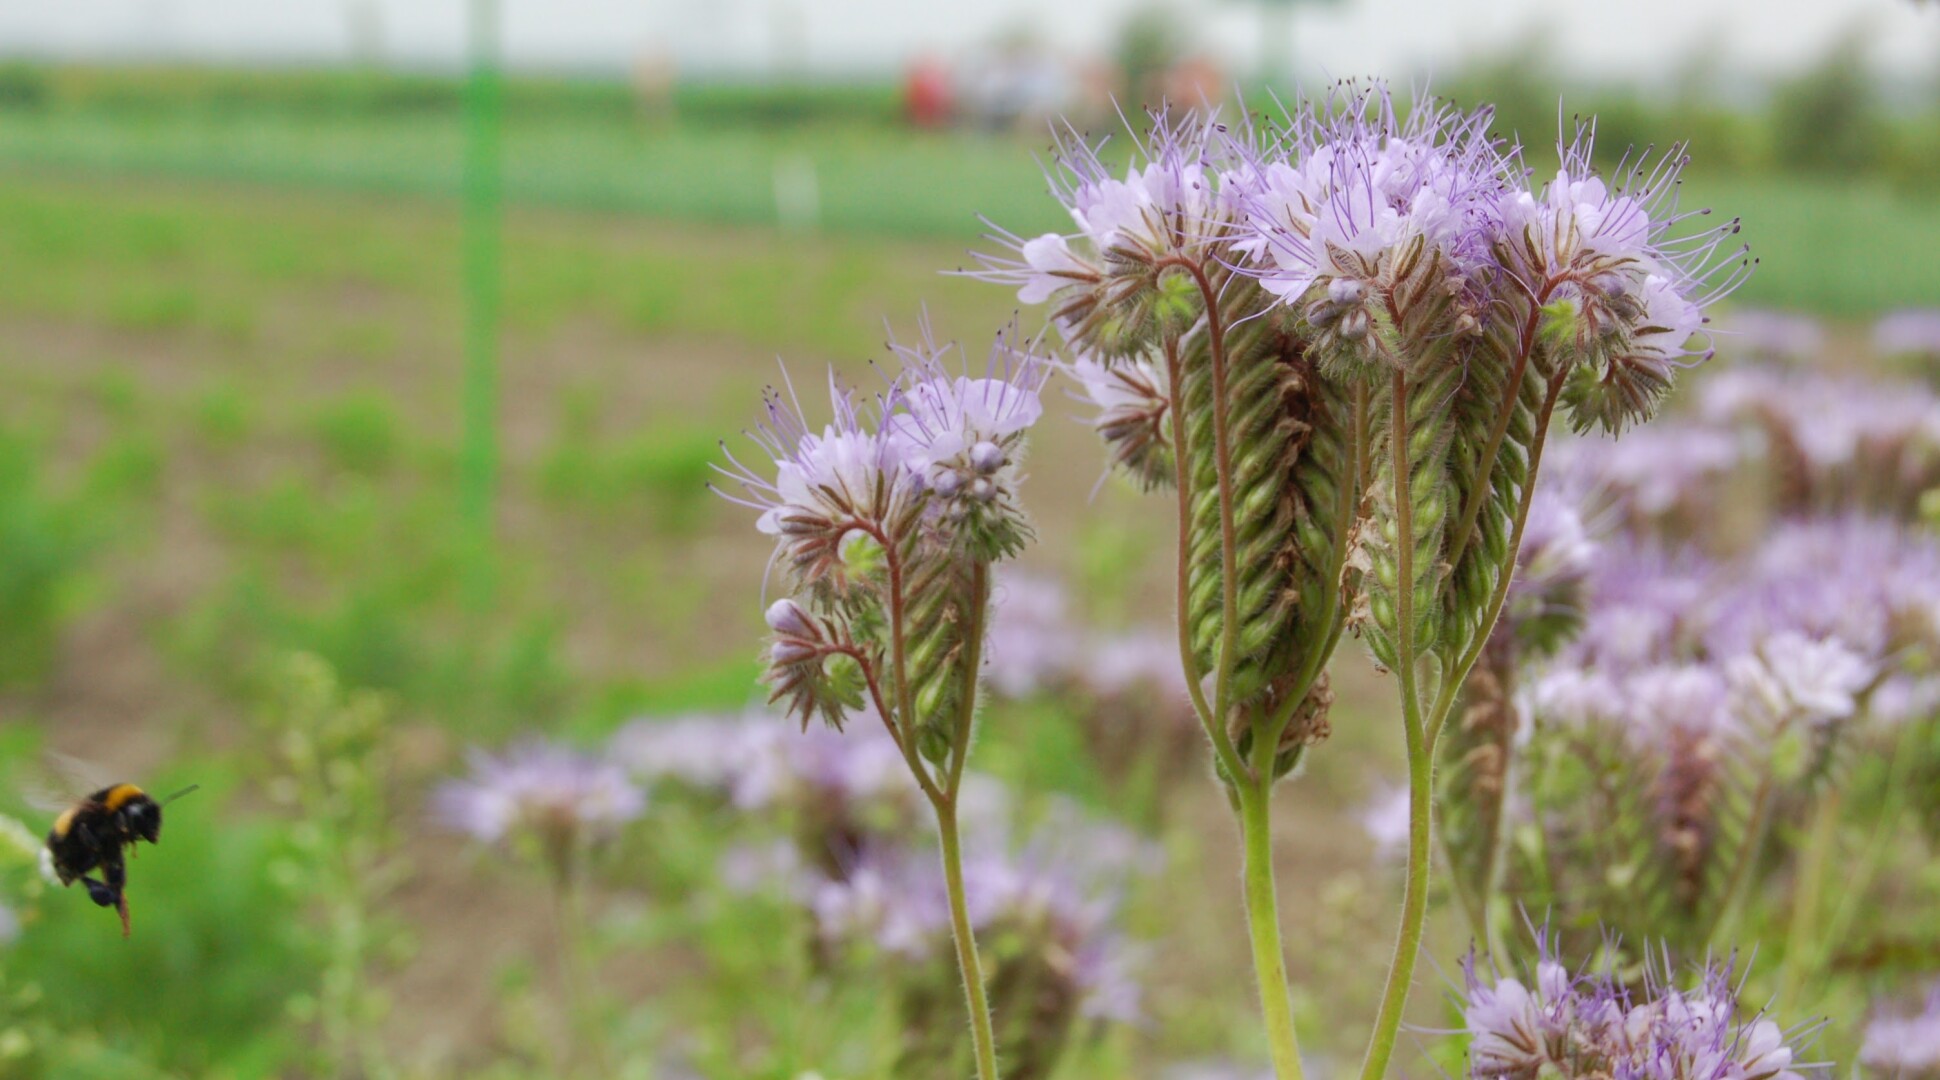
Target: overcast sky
{"x": 1400, "y": 38}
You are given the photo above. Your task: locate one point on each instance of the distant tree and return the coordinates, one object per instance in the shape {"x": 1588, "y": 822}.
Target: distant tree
{"x": 1828, "y": 119}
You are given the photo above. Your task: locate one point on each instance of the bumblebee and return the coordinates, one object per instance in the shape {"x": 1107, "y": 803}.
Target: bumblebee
{"x": 92, "y": 834}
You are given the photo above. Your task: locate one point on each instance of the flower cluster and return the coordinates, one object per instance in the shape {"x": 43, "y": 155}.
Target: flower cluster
{"x": 1669, "y": 478}
{"x": 1904, "y": 1046}
{"x": 862, "y": 869}
{"x": 1834, "y": 440}
{"x": 1353, "y": 214}
{"x": 1595, "y": 1025}
{"x": 1703, "y": 697}
{"x": 1914, "y": 332}
{"x": 1781, "y": 337}
{"x": 885, "y": 521}
{"x": 536, "y": 790}
{"x": 1266, "y": 314}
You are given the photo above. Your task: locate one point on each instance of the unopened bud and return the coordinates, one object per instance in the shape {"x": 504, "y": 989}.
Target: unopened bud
{"x": 790, "y": 651}
{"x": 986, "y": 457}
{"x": 946, "y": 482}
{"x": 982, "y": 490}
{"x": 1611, "y": 285}
{"x": 1346, "y": 291}
{"x": 1322, "y": 313}
{"x": 787, "y": 617}
{"x": 1354, "y": 324}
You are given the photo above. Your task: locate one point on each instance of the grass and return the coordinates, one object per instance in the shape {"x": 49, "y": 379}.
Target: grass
{"x": 1842, "y": 247}
{"x": 229, "y": 349}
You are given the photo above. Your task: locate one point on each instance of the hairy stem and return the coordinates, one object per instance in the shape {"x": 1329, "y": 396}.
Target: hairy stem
{"x": 982, "y": 1034}
{"x": 1223, "y": 465}
{"x": 1459, "y": 673}
{"x": 1414, "y": 900}
{"x": 1263, "y": 925}
{"x": 1215, "y": 729}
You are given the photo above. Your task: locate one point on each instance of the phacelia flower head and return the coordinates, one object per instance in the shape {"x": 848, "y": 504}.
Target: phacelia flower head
{"x": 558, "y": 796}
{"x": 821, "y": 487}
{"x": 1904, "y": 1046}
{"x": 1354, "y": 186}
{"x": 1594, "y": 1025}
{"x": 1621, "y": 274}
{"x": 1106, "y": 282}
{"x": 1834, "y": 441}
{"x": 962, "y": 438}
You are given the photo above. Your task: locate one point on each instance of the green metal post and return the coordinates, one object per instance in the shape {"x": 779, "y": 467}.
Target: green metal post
{"x": 478, "y": 461}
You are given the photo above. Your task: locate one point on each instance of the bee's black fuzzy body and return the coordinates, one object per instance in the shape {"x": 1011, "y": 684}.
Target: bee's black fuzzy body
{"x": 91, "y": 836}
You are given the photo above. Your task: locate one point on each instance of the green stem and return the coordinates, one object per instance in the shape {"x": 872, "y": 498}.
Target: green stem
{"x": 1858, "y": 880}
{"x": 981, "y": 1031}
{"x": 1263, "y": 924}
{"x": 1800, "y": 947}
{"x": 1414, "y": 900}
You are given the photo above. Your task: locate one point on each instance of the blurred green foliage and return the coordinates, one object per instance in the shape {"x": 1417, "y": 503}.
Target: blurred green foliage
{"x": 217, "y": 946}
{"x": 43, "y": 544}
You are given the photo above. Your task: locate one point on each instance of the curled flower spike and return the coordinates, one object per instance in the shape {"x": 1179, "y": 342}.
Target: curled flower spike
{"x": 1620, "y": 276}
{"x": 820, "y": 487}
{"x": 1107, "y": 282}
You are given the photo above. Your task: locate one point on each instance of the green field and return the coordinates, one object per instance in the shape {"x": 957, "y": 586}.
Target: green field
{"x": 1844, "y": 247}
{"x": 229, "y": 410}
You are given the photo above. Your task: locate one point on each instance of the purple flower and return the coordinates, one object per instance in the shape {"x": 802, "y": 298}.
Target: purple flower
{"x": 1913, "y": 332}
{"x": 1357, "y": 185}
{"x": 1904, "y": 1046}
{"x": 820, "y": 488}
{"x": 1133, "y": 401}
{"x": 1784, "y": 336}
{"x": 1055, "y": 898}
{"x": 1793, "y": 679}
{"x": 1650, "y": 475}
{"x": 1136, "y": 662}
{"x": 1834, "y": 440}
{"x": 940, "y": 417}
{"x": 1168, "y": 201}
{"x": 541, "y": 788}
{"x": 1385, "y": 820}
{"x": 1032, "y": 642}
{"x": 1594, "y": 1025}
{"x": 704, "y": 753}
{"x": 1606, "y": 245}
{"x": 841, "y": 774}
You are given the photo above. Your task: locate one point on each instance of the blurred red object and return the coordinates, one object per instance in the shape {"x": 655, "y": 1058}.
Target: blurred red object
{"x": 927, "y": 97}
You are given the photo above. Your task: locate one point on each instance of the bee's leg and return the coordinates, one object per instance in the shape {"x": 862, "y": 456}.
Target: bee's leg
{"x": 101, "y": 894}
{"x": 121, "y": 906}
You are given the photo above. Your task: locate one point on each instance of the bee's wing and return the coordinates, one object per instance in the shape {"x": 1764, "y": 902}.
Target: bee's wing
{"x": 59, "y": 781}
